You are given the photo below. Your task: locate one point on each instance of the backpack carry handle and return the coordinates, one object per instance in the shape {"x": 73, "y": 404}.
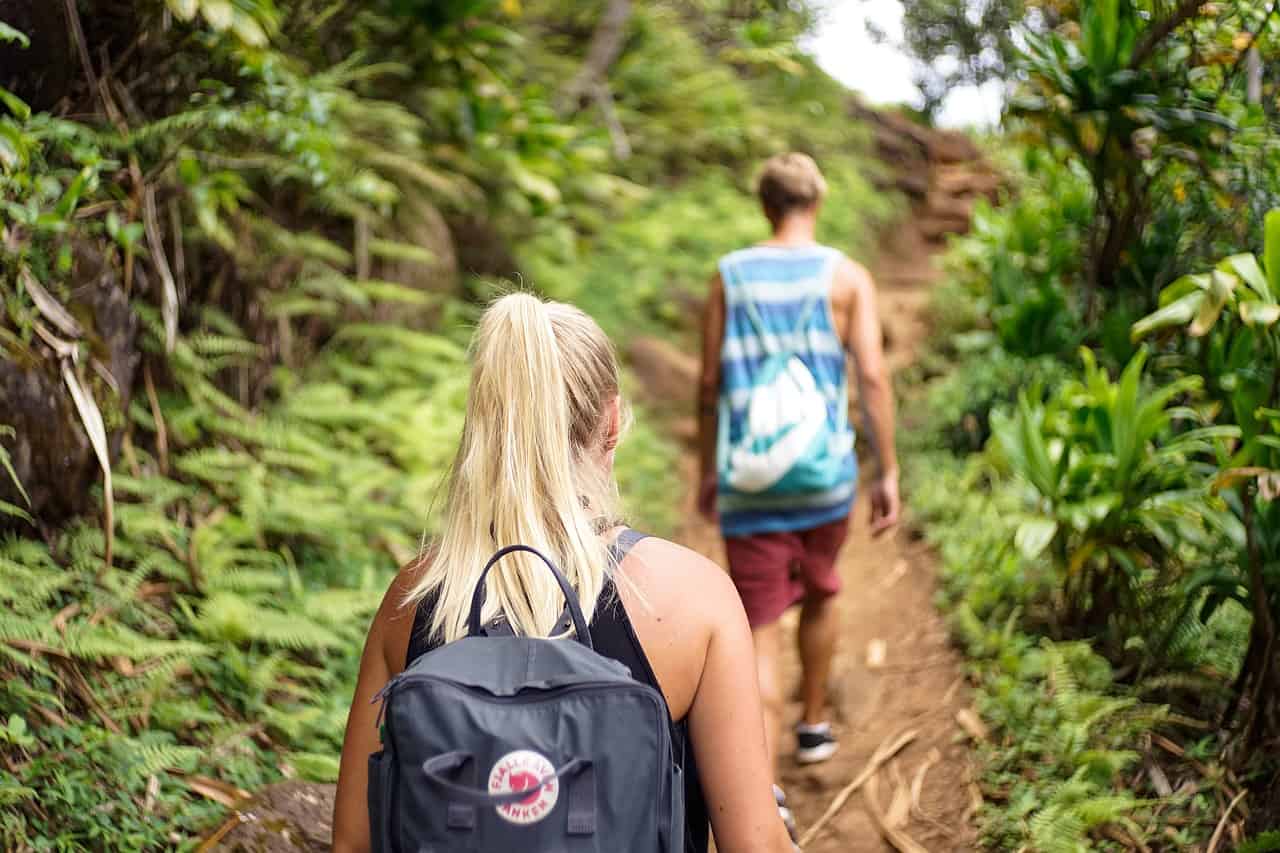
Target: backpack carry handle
{"x": 462, "y": 800}
{"x": 571, "y": 600}
{"x": 435, "y": 769}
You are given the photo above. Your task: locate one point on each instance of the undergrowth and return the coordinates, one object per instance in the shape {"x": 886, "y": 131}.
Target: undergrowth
{"x": 284, "y": 443}
{"x": 1099, "y": 739}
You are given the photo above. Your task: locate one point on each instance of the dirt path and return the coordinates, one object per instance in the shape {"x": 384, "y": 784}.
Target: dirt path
{"x": 887, "y": 598}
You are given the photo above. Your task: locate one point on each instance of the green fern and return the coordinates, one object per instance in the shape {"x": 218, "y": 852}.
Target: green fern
{"x": 1267, "y": 842}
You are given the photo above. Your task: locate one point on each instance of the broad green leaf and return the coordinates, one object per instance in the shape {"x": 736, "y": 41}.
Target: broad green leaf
{"x": 1176, "y": 313}
{"x": 15, "y": 511}
{"x": 1034, "y": 535}
{"x": 1255, "y": 312}
{"x": 1221, "y": 286}
{"x": 1182, "y": 286}
{"x": 1125, "y": 417}
{"x": 11, "y": 35}
{"x": 10, "y": 154}
{"x": 1038, "y": 467}
{"x": 249, "y": 30}
{"x": 219, "y": 13}
{"x": 1246, "y": 267}
{"x": 16, "y": 105}
{"x": 183, "y": 10}
{"x": 1271, "y": 249}
{"x": 67, "y": 204}
{"x": 1084, "y": 514}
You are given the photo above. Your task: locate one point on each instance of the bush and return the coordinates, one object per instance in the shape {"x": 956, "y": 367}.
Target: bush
{"x": 1015, "y": 271}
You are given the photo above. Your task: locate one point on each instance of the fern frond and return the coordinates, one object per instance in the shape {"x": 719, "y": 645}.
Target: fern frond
{"x": 232, "y": 618}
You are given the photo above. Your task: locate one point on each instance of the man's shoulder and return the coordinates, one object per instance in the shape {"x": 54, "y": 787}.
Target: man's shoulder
{"x": 851, "y": 276}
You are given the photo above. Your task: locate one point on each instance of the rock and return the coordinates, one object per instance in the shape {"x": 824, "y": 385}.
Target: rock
{"x": 943, "y": 206}
{"x": 914, "y": 184}
{"x": 286, "y": 816}
{"x": 970, "y": 179}
{"x": 668, "y": 376}
{"x": 952, "y": 146}
{"x": 936, "y": 228}
{"x": 51, "y": 454}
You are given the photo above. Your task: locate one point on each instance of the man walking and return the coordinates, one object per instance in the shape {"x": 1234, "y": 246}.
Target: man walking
{"x": 776, "y": 449}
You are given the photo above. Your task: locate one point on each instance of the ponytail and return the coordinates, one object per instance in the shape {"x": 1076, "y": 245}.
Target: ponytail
{"x": 530, "y": 469}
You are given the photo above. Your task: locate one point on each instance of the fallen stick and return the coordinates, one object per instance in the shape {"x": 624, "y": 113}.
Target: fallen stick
{"x": 882, "y": 754}
{"x": 895, "y": 817}
{"x": 901, "y": 842}
{"x": 1222, "y": 824}
{"x": 917, "y": 783}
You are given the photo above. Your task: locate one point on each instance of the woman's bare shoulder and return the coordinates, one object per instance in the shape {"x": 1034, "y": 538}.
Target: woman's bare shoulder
{"x": 673, "y": 578}
{"x": 393, "y": 622}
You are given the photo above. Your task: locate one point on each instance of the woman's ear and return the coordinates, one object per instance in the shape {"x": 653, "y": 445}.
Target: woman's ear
{"x": 613, "y": 423}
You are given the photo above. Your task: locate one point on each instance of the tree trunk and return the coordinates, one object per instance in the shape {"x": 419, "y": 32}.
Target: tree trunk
{"x": 603, "y": 50}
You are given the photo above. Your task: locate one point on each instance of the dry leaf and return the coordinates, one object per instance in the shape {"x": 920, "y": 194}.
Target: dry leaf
{"x": 97, "y": 432}
{"x": 153, "y": 791}
{"x": 169, "y": 289}
{"x": 50, "y": 308}
{"x": 917, "y": 783}
{"x": 877, "y": 651}
{"x": 220, "y": 792}
{"x": 895, "y": 574}
{"x": 61, "y": 348}
{"x": 901, "y": 842}
{"x": 899, "y": 808}
{"x": 1159, "y": 780}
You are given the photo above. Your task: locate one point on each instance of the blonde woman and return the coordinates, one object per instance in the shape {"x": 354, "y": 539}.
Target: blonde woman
{"x": 534, "y": 467}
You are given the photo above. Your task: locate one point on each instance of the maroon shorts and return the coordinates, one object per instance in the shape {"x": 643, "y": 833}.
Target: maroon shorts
{"x": 773, "y": 571}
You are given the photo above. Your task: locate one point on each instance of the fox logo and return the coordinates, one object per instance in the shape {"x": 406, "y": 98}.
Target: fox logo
{"x": 523, "y": 770}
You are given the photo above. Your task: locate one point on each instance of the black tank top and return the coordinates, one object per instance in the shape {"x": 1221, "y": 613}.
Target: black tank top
{"x": 613, "y": 636}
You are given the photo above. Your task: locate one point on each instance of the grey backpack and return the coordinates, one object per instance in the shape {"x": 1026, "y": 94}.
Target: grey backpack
{"x": 506, "y": 743}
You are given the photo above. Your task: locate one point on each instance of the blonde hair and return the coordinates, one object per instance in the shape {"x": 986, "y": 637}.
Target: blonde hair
{"x": 790, "y": 181}
{"x": 530, "y": 469}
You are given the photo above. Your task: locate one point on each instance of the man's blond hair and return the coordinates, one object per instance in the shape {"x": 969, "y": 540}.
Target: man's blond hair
{"x": 790, "y": 182}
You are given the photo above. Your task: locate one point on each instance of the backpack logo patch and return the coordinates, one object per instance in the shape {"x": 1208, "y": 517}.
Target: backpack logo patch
{"x": 522, "y": 770}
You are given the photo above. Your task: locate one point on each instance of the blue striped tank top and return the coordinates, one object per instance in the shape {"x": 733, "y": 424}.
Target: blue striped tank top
{"x": 781, "y": 283}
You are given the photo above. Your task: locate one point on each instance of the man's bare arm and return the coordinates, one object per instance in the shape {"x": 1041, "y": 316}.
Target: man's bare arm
{"x": 875, "y": 390}
{"x": 709, "y": 391}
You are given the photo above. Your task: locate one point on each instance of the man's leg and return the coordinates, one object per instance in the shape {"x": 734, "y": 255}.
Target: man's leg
{"x": 816, "y": 639}
{"x": 768, "y": 642}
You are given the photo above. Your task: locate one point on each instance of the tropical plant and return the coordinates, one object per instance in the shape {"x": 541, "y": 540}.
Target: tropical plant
{"x": 1147, "y": 101}
{"x": 1116, "y": 499}
{"x": 276, "y": 194}
{"x": 1015, "y": 268}
{"x": 1231, "y": 316}
{"x": 1068, "y": 763}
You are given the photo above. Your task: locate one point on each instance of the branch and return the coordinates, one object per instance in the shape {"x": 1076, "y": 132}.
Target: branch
{"x": 1253, "y": 43}
{"x": 1161, "y": 29}
{"x": 603, "y": 50}
{"x": 617, "y": 133}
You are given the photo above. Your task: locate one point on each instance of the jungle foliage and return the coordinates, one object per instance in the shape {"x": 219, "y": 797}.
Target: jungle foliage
{"x": 1106, "y": 506}
{"x": 240, "y": 251}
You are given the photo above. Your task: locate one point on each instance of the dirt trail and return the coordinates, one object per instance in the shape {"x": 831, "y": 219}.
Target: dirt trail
{"x": 887, "y": 597}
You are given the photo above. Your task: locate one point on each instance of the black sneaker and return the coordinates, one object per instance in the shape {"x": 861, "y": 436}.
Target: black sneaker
{"x": 815, "y": 743}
